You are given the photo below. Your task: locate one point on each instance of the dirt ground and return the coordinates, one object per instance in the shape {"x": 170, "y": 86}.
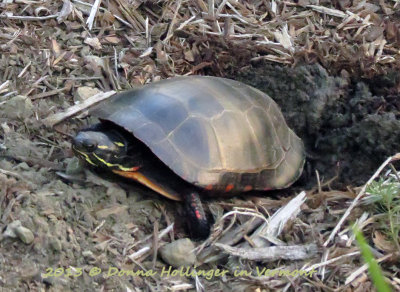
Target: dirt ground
{"x": 63, "y": 227}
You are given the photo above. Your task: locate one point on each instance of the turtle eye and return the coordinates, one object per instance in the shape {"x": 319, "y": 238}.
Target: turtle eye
{"x": 90, "y": 147}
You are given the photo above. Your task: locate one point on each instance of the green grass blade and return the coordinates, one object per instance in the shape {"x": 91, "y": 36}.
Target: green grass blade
{"x": 373, "y": 266}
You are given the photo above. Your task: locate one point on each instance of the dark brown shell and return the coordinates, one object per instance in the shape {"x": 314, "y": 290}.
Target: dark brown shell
{"x": 213, "y": 132}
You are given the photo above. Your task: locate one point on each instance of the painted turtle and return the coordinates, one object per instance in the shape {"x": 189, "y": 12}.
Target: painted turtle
{"x": 186, "y": 136}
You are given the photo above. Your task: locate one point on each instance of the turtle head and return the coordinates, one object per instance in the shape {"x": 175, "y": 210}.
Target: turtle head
{"x": 105, "y": 149}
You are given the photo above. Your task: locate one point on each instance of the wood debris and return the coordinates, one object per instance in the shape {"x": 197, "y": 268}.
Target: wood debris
{"x": 272, "y": 253}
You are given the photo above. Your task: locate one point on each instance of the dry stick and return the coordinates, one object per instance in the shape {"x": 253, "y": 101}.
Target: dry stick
{"x": 93, "y": 13}
{"x": 186, "y": 22}
{"x": 24, "y": 70}
{"x": 329, "y": 11}
{"x": 132, "y": 16}
{"x": 271, "y": 253}
{"x": 360, "y": 194}
{"x": 364, "y": 267}
{"x": 155, "y": 244}
{"x": 181, "y": 287}
{"x": 396, "y": 174}
{"x": 73, "y": 110}
{"x": 270, "y": 230}
{"x": 221, "y": 6}
{"x": 4, "y": 85}
{"x": 29, "y": 17}
{"x": 330, "y": 261}
{"x": 147, "y": 248}
{"x": 318, "y": 181}
{"x": 47, "y": 93}
{"x": 105, "y": 10}
{"x": 211, "y": 8}
{"x": 173, "y": 21}
{"x": 9, "y": 207}
{"x": 14, "y": 174}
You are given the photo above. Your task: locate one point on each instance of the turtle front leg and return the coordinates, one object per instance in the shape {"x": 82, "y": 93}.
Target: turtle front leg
{"x": 199, "y": 227}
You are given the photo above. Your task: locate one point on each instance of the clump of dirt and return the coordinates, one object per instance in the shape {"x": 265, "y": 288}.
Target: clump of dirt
{"x": 348, "y": 126}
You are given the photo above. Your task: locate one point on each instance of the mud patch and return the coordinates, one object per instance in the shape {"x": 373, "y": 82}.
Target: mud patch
{"x": 345, "y": 126}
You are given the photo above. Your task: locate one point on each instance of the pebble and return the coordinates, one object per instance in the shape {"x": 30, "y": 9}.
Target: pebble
{"x": 15, "y": 229}
{"x": 74, "y": 166}
{"x": 17, "y": 107}
{"x": 84, "y": 92}
{"x": 179, "y": 253}
{"x": 24, "y": 234}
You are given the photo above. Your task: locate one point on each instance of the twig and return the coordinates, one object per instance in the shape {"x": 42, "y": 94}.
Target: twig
{"x": 211, "y": 8}
{"x": 24, "y": 70}
{"x": 7, "y": 172}
{"x": 29, "y": 18}
{"x": 221, "y": 6}
{"x": 4, "y": 85}
{"x": 271, "y": 229}
{"x": 116, "y": 63}
{"x": 271, "y": 253}
{"x": 364, "y": 267}
{"x": 146, "y": 249}
{"x": 360, "y": 194}
{"x": 329, "y": 11}
{"x": 73, "y": 110}
{"x": 155, "y": 244}
{"x": 103, "y": 9}
{"x": 171, "y": 26}
{"x": 395, "y": 172}
{"x": 318, "y": 182}
{"x": 332, "y": 260}
{"x": 93, "y": 13}
{"x": 47, "y": 93}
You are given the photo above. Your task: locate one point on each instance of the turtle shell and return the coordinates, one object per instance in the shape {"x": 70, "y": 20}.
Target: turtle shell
{"x": 215, "y": 133}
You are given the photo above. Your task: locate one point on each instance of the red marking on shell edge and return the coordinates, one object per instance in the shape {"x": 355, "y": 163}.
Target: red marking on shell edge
{"x": 209, "y": 187}
{"x": 198, "y": 215}
{"x": 135, "y": 168}
{"x": 247, "y": 188}
{"x": 267, "y": 189}
{"x": 229, "y": 187}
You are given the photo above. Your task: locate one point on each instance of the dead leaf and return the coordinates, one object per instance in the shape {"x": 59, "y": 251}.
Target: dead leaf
{"x": 112, "y": 39}
{"x": 382, "y": 243}
{"x": 93, "y": 42}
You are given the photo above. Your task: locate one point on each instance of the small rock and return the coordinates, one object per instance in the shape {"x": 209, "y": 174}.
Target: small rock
{"x": 23, "y": 166}
{"x": 95, "y": 60}
{"x": 15, "y": 229}
{"x": 55, "y": 244}
{"x": 179, "y": 253}
{"x": 89, "y": 256}
{"x": 24, "y": 234}
{"x": 90, "y": 84}
{"x": 10, "y": 230}
{"x": 17, "y": 107}
{"x": 85, "y": 92}
{"x": 74, "y": 166}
